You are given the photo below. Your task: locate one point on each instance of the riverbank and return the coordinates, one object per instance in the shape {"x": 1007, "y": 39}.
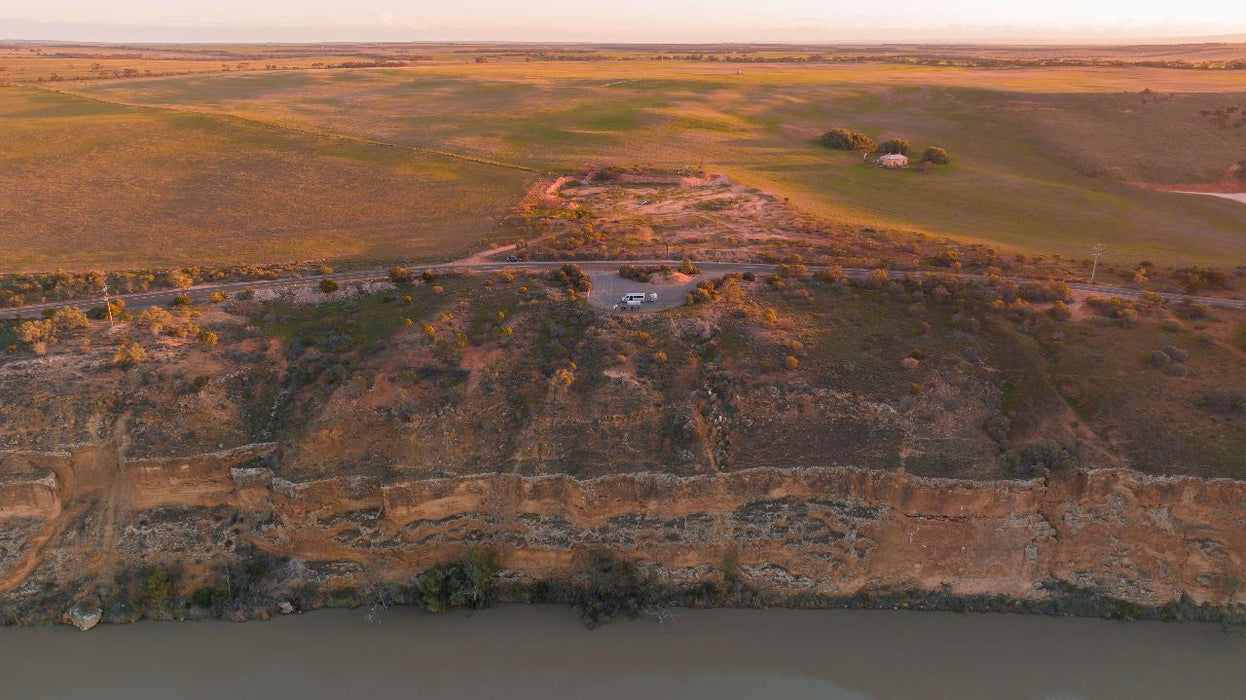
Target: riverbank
{"x": 544, "y": 651}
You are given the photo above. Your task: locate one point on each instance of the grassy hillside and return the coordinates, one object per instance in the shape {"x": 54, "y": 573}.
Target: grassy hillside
{"x": 1043, "y": 158}
{"x": 86, "y": 184}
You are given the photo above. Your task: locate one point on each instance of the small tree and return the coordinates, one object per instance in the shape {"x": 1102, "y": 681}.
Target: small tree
{"x": 936, "y": 155}
{"x": 843, "y": 139}
{"x": 863, "y": 143}
{"x": 894, "y": 146}
{"x": 838, "y": 138}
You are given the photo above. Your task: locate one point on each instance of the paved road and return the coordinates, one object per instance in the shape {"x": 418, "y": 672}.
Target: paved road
{"x": 709, "y": 269}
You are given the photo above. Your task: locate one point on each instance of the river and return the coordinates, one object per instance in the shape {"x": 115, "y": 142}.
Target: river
{"x": 522, "y": 652}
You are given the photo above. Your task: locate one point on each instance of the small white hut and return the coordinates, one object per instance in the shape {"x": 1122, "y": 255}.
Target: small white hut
{"x": 893, "y": 160}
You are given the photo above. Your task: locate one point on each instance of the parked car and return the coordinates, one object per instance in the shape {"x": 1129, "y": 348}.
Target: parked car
{"x": 652, "y": 298}
{"x": 513, "y": 258}
{"x": 633, "y": 297}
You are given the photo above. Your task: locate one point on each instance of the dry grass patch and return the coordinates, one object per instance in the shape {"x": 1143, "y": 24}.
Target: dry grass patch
{"x": 84, "y": 184}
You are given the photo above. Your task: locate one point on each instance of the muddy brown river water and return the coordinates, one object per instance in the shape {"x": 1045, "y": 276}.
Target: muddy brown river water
{"x": 544, "y": 652}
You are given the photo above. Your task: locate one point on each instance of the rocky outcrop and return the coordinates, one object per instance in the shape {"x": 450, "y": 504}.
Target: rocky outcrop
{"x": 840, "y": 530}
{"x": 28, "y": 486}
{"x": 83, "y": 616}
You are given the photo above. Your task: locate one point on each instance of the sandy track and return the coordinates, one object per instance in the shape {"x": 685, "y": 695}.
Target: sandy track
{"x": 593, "y": 267}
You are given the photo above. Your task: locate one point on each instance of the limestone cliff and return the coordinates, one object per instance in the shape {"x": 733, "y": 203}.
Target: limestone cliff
{"x": 814, "y": 530}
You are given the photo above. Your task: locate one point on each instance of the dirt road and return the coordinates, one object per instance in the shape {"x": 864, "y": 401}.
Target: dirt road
{"x": 609, "y": 287}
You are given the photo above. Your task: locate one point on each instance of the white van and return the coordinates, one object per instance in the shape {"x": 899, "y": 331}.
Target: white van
{"x": 633, "y": 297}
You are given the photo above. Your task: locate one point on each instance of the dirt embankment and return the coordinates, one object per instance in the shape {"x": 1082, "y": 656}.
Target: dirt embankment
{"x": 810, "y": 531}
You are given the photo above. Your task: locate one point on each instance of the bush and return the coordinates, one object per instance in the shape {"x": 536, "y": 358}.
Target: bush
{"x": 892, "y": 146}
{"x": 155, "y": 591}
{"x": 1191, "y": 311}
{"x": 70, "y": 318}
{"x": 467, "y": 583}
{"x": 1055, "y": 290}
{"x": 129, "y": 353}
{"x": 178, "y": 279}
{"x": 399, "y": 275}
{"x": 1044, "y": 455}
{"x": 637, "y": 273}
{"x": 1226, "y": 402}
{"x": 838, "y": 138}
{"x": 612, "y": 587}
{"x": 154, "y": 319}
{"x": 1197, "y": 279}
{"x": 1123, "y": 311}
{"x": 37, "y": 334}
{"x": 791, "y": 363}
{"x": 328, "y": 286}
{"x": 936, "y": 155}
{"x": 1176, "y": 353}
{"x": 571, "y": 277}
{"x": 842, "y": 139}
{"x": 116, "y": 306}
{"x": 208, "y": 339}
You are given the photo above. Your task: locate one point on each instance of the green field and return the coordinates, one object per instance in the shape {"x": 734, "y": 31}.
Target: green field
{"x": 1045, "y": 159}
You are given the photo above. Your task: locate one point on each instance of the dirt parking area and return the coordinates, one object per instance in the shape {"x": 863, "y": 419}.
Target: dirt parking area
{"x": 609, "y": 287}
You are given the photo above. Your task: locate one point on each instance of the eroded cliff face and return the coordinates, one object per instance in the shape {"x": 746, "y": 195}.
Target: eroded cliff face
{"x": 340, "y": 446}
{"x": 791, "y": 532}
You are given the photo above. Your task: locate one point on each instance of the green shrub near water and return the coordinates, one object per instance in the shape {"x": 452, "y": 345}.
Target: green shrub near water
{"x": 467, "y": 583}
{"x": 612, "y": 587}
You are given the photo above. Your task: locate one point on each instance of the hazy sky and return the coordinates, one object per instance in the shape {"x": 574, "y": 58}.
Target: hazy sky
{"x": 627, "y": 20}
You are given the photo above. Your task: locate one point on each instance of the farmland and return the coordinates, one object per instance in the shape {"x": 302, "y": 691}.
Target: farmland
{"x": 1045, "y": 159}
{"x": 86, "y": 184}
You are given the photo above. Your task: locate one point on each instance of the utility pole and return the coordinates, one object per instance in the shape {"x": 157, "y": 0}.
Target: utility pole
{"x": 1096, "y": 252}
{"x": 108, "y": 305}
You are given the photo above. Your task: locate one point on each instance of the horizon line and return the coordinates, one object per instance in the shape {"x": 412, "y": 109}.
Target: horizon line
{"x": 1203, "y": 39}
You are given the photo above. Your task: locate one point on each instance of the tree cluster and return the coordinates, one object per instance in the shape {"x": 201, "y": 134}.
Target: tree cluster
{"x": 842, "y": 139}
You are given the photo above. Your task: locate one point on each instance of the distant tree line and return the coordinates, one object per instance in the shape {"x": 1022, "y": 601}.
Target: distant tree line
{"x": 844, "y": 139}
